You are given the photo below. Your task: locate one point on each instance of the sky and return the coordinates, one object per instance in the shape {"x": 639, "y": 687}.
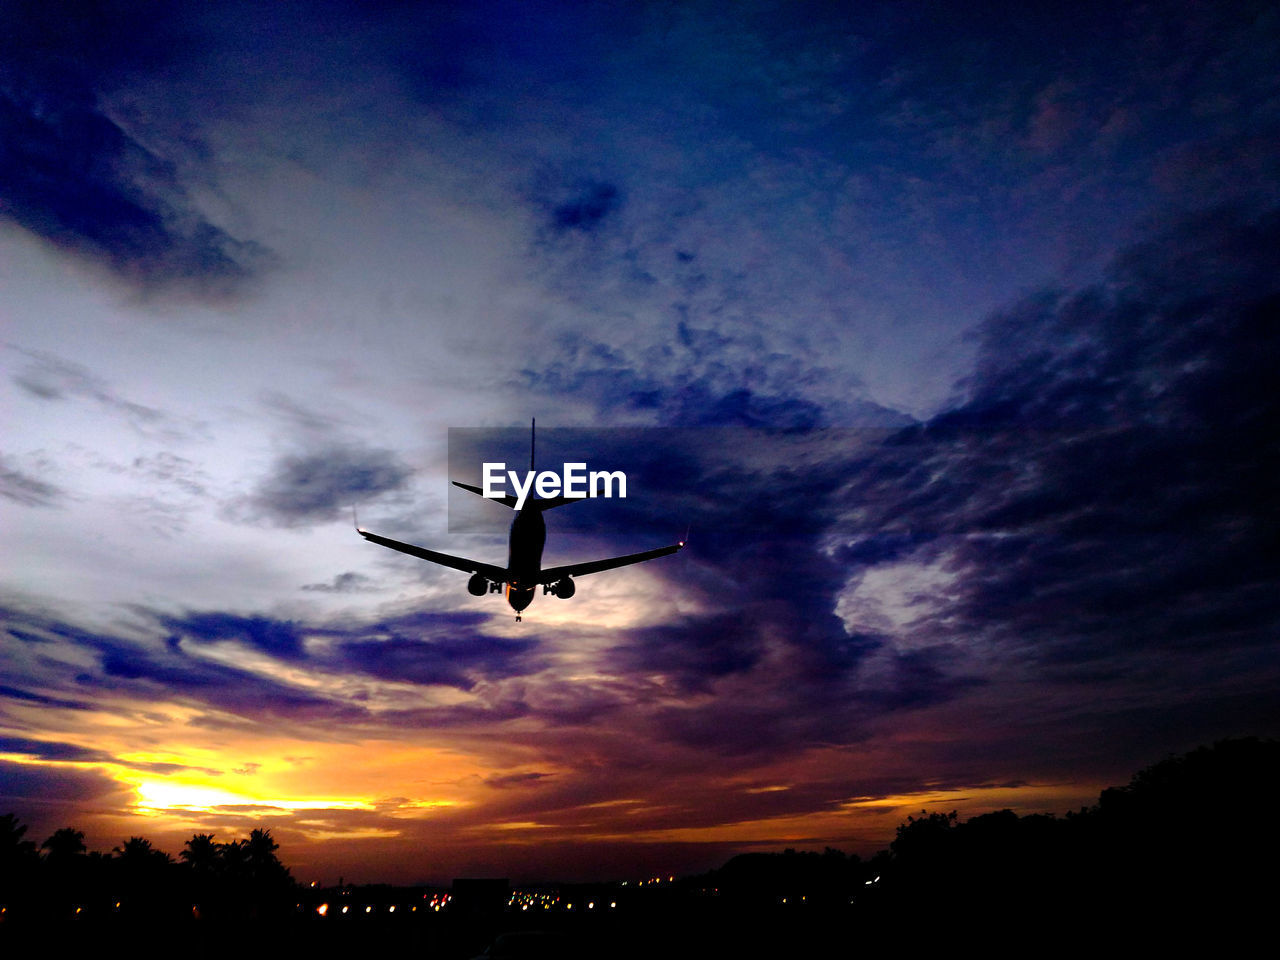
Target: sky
{"x": 950, "y": 336}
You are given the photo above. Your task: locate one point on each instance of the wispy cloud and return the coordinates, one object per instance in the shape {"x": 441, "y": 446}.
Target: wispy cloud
{"x": 318, "y": 485}
{"x": 54, "y": 379}
{"x": 29, "y": 491}
{"x": 349, "y": 582}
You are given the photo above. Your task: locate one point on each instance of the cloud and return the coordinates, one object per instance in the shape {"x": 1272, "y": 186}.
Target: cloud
{"x": 317, "y": 486}
{"x": 506, "y": 780}
{"x": 75, "y": 753}
{"x": 298, "y": 416}
{"x": 51, "y": 750}
{"x": 349, "y": 582}
{"x": 1099, "y": 508}
{"x": 452, "y": 649}
{"x": 282, "y": 639}
{"x": 148, "y": 662}
{"x": 1107, "y": 487}
{"x": 26, "y": 696}
{"x": 49, "y": 377}
{"x": 587, "y": 207}
{"x": 77, "y": 176}
{"x": 27, "y": 490}
{"x": 228, "y": 662}
{"x": 32, "y": 786}
{"x": 695, "y": 653}
{"x": 168, "y": 468}
{"x": 720, "y": 369}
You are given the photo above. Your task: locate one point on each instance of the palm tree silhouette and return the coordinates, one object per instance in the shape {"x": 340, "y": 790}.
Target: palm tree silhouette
{"x": 201, "y": 853}
{"x": 65, "y": 843}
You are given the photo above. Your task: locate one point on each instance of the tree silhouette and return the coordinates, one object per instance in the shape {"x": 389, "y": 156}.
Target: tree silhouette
{"x": 65, "y": 843}
{"x": 137, "y": 851}
{"x": 235, "y": 859}
{"x": 201, "y": 853}
{"x": 239, "y": 879}
{"x": 18, "y": 860}
{"x": 260, "y": 850}
{"x": 13, "y": 848}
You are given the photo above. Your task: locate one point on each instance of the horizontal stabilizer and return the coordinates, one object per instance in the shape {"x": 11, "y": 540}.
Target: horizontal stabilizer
{"x": 505, "y": 501}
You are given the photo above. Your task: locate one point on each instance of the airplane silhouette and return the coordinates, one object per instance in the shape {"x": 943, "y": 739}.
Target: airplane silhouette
{"x": 523, "y": 573}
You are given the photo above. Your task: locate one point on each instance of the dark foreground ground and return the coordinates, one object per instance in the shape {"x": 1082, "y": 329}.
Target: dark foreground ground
{"x": 705, "y": 931}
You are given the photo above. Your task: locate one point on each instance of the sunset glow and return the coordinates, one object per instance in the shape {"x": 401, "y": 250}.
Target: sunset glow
{"x": 157, "y": 795}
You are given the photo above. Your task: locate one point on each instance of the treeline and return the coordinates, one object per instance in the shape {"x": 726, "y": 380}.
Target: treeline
{"x": 1189, "y": 841}
{"x": 59, "y": 877}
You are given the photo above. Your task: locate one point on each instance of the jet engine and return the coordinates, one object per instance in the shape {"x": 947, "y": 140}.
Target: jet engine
{"x": 478, "y": 585}
{"x": 564, "y": 589}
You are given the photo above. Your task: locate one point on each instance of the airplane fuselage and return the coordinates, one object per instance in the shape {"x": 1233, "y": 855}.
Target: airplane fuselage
{"x": 524, "y": 557}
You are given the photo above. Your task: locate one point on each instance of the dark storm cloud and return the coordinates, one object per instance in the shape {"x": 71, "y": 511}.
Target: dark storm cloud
{"x": 694, "y": 653}
{"x": 778, "y": 663}
{"x": 26, "y": 490}
{"x": 75, "y": 175}
{"x": 769, "y": 665}
{"x": 50, "y": 750}
{"x": 142, "y": 672}
{"x": 450, "y": 649}
{"x": 157, "y": 669}
{"x": 1106, "y": 489}
{"x": 451, "y": 663}
{"x": 1109, "y": 486}
{"x": 74, "y": 753}
{"x": 318, "y": 486}
{"x": 35, "y": 785}
{"x": 586, "y": 207}
{"x": 278, "y": 638}
{"x": 26, "y": 696}
{"x": 434, "y": 648}
{"x": 704, "y": 377}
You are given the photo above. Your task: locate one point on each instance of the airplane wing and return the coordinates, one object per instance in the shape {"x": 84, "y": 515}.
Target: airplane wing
{"x": 495, "y": 573}
{"x": 552, "y": 574}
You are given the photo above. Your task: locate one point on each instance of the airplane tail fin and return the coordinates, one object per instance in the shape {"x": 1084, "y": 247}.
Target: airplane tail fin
{"x": 547, "y": 504}
{"x": 530, "y": 503}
